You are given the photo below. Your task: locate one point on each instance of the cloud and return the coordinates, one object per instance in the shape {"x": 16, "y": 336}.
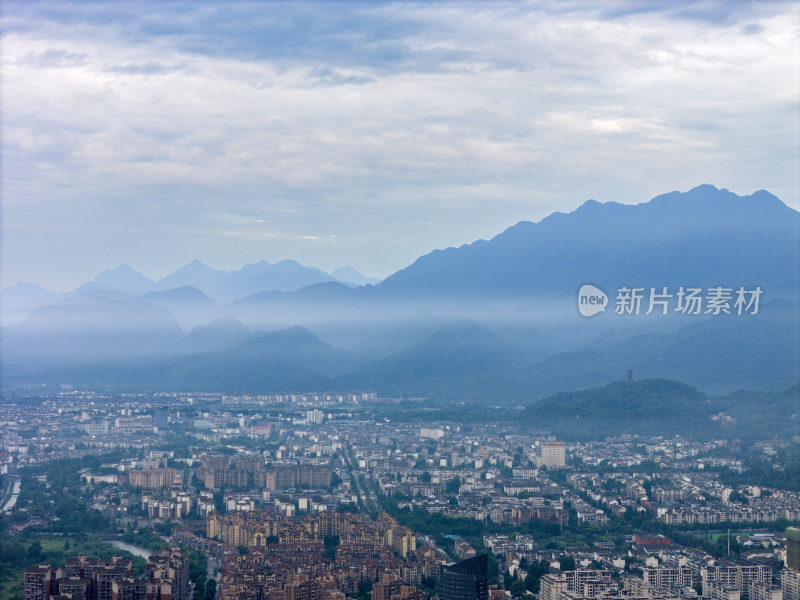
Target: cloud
{"x": 395, "y": 127}
{"x": 145, "y": 68}
{"x": 53, "y": 58}
{"x": 326, "y": 76}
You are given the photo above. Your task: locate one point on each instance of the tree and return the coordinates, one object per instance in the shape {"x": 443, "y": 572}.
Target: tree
{"x": 492, "y": 570}
{"x": 430, "y": 585}
{"x": 211, "y": 589}
{"x": 331, "y": 543}
{"x": 35, "y": 551}
{"x": 518, "y": 588}
{"x": 364, "y": 591}
{"x": 567, "y": 563}
{"x": 453, "y": 486}
{"x": 219, "y": 501}
{"x": 535, "y": 572}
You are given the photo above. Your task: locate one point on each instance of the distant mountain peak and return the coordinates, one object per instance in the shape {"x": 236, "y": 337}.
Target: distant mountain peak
{"x": 706, "y": 187}
{"x": 709, "y": 234}
{"x": 295, "y": 333}
{"x": 26, "y": 285}
{"x": 122, "y": 278}
{"x": 259, "y": 263}
{"x": 348, "y": 274}
{"x": 285, "y": 275}
{"x": 123, "y": 268}
{"x": 195, "y": 265}
{"x": 185, "y": 292}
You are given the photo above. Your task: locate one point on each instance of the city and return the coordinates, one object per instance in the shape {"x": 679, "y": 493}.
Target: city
{"x": 321, "y": 495}
{"x": 399, "y": 300}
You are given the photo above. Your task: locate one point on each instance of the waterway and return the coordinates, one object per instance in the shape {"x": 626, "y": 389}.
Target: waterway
{"x": 135, "y": 550}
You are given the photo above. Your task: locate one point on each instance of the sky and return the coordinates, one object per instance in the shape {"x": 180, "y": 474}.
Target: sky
{"x": 369, "y": 133}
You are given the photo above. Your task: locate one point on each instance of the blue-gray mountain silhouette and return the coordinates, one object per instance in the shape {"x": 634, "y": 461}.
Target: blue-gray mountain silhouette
{"x": 703, "y": 237}
{"x": 516, "y": 337}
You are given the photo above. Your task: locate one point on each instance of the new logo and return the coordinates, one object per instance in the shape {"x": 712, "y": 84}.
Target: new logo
{"x": 591, "y": 300}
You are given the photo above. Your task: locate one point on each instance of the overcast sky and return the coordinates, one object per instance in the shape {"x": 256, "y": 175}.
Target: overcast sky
{"x": 369, "y": 133}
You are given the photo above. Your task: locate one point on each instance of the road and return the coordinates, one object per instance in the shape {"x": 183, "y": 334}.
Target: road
{"x": 17, "y": 486}
{"x": 366, "y": 497}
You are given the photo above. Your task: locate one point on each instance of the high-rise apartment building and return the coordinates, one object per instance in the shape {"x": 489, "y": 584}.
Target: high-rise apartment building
{"x": 40, "y": 582}
{"x": 718, "y": 582}
{"x": 554, "y": 455}
{"x": 790, "y": 584}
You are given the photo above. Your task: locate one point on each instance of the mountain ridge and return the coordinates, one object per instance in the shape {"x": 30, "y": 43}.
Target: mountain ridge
{"x": 518, "y": 287}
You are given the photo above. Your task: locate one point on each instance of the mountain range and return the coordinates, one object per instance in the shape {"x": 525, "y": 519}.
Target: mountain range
{"x": 124, "y": 282}
{"x": 494, "y": 319}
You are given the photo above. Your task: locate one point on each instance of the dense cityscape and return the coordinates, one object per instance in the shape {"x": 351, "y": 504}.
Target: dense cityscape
{"x": 327, "y": 496}
{"x": 399, "y": 300}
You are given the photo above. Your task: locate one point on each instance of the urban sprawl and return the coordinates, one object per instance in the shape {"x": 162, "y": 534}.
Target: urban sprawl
{"x": 323, "y": 496}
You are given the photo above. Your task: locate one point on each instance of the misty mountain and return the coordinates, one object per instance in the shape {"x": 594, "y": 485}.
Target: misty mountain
{"x": 121, "y": 279}
{"x": 26, "y": 295}
{"x": 460, "y": 361}
{"x": 348, "y": 274}
{"x": 76, "y": 335}
{"x": 195, "y": 274}
{"x": 178, "y": 296}
{"x": 703, "y": 237}
{"x": 664, "y": 407}
{"x": 718, "y": 355}
{"x": 90, "y": 296}
{"x": 493, "y": 320}
{"x": 465, "y": 361}
{"x": 773, "y": 413}
{"x": 225, "y": 286}
{"x": 295, "y": 346}
{"x": 320, "y": 301}
{"x": 220, "y": 334}
{"x": 286, "y": 275}
{"x": 279, "y": 361}
{"x": 190, "y": 307}
{"x": 531, "y": 272}
{"x": 378, "y": 339}
{"x": 647, "y": 407}
{"x": 17, "y": 301}
{"x": 222, "y": 373}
